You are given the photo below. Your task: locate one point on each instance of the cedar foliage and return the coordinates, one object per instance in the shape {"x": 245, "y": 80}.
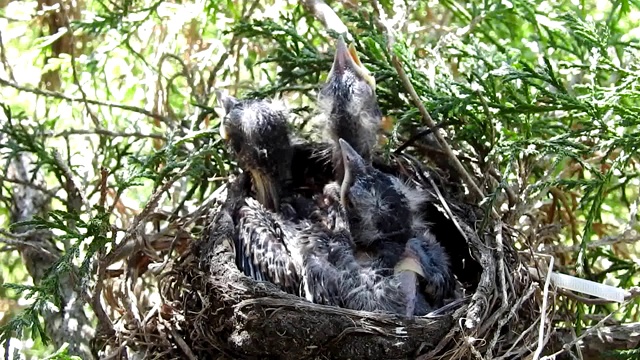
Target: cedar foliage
{"x": 539, "y": 99}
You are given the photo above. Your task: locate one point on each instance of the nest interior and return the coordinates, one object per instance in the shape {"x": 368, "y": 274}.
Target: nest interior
{"x": 213, "y": 308}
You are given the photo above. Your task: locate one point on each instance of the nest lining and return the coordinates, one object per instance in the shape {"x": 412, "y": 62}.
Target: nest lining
{"x": 213, "y": 308}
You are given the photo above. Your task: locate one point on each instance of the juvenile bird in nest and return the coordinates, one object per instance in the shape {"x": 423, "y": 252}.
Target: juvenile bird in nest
{"x": 272, "y": 232}
{"x": 319, "y": 261}
{"x": 270, "y": 247}
{"x": 387, "y": 228}
{"x": 257, "y": 134}
{"x": 349, "y": 103}
{"x": 382, "y": 211}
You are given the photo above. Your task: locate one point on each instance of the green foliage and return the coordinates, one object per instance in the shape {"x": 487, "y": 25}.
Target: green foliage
{"x": 545, "y": 93}
{"x": 521, "y": 88}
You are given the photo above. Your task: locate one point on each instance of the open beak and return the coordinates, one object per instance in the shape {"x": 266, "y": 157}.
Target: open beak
{"x": 223, "y": 130}
{"x": 363, "y": 70}
{"x": 346, "y": 58}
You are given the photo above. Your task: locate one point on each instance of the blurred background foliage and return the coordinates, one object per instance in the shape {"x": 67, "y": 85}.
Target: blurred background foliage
{"x": 540, "y": 100}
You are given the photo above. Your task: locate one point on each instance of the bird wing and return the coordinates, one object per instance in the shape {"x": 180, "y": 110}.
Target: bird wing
{"x": 437, "y": 279}
{"x": 264, "y": 249}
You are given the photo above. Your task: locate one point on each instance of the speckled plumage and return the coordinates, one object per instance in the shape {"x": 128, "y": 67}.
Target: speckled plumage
{"x": 341, "y": 280}
{"x": 272, "y": 248}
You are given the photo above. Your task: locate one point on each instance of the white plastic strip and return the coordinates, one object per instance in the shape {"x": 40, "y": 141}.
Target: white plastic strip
{"x": 588, "y": 287}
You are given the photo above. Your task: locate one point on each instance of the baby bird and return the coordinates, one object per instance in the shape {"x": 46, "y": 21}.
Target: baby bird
{"x": 349, "y": 102}
{"x": 257, "y": 134}
{"x": 379, "y": 206}
{"x": 384, "y": 218}
{"x": 339, "y": 278}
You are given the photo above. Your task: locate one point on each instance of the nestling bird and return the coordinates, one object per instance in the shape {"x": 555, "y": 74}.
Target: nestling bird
{"x": 319, "y": 264}
{"x": 380, "y": 207}
{"x": 257, "y": 133}
{"x": 341, "y": 279}
{"x": 385, "y": 220}
{"x": 348, "y": 101}
{"x": 274, "y": 231}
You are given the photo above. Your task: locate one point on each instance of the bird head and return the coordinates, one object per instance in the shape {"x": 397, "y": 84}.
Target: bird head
{"x": 257, "y": 134}
{"x": 348, "y": 100}
{"x": 346, "y": 63}
{"x": 376, "y": 208}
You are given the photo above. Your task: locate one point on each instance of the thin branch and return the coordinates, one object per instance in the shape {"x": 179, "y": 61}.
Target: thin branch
{"x": 423, "y": 111}
{"x": 138, "y": 220}
{"x": 628, "y": 237}
{"x": 50, "y": 193}
{"x": 22, "y": 243}
{"x": 543, "y": 311}
{"x": 109, "y": 133}
{"x": 232, "y": 44}
{"x": 72, "y": 186}
{"x": 105, "y": 325}
{"x": 5, "y": 61}
{"x": 323, "y": 12}
{"x": 593, "y": 341}
{"x": 74, "y": 71}
{"x": 60, "y": 96}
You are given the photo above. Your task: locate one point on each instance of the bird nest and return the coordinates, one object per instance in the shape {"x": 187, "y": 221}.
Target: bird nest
{"x": 210, "y": 307}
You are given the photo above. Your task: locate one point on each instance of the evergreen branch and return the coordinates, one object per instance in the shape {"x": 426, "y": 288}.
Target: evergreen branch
{"x": 60, "y": 96}
{"x": 425, "y": 115}
{"x": 104, "y": 132}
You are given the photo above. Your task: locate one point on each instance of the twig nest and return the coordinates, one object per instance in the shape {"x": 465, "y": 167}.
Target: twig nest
{"x": 216, "y": 309}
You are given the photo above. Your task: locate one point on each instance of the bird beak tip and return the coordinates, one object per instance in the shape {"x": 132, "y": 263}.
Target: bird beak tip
{"x": 225, "y": 102}
{"x": 223, "y": 131}
{"x": 348, "y": 152}
{"x": 347, "y": 57}
{"x": 409, "y": 264}
{"x": 341, "y": 58}
{"x": 352, "y": 162}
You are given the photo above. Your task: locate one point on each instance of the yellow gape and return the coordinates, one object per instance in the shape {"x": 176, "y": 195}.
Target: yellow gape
{"x": 223, "y": 130}
{"x": 361, "y": 69}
